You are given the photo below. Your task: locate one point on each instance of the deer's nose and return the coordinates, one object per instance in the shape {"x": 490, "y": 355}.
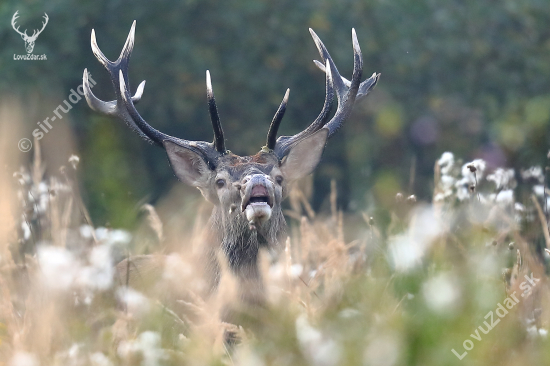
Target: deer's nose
{"x": 255, "y": 179}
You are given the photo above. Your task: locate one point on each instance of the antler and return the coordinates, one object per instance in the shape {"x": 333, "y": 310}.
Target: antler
{"x": 346, "y": 91}
{"x": 37, "y": 32}
{"x": 123, "y": 107}
{"x": 13, "y": 19}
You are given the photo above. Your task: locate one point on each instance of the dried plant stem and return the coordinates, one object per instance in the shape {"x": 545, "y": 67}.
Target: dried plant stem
{"x": 305, "y": 241}
{"x": 66, "y": 219}
{"x": 340, "y": 228}
{"x": 154, "y": 221}
{"x": 333, "y": 200}
{"x": 78, "y": 199}
{"x": 288, "y": 261}
{"x": 475, "y": 188}
{"x": 38, "y": 223}
{"x": 305, "y": 203}
{"x": 545, "y": 197}
{"x": 542, "y": 221}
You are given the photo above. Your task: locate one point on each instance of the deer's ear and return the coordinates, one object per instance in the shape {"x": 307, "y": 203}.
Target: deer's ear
{"x": 188, "y": 166}
{"x": 304, "y": 156}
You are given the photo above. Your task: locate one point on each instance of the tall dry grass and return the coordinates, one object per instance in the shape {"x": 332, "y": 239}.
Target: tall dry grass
{"x": 397, "y": 286}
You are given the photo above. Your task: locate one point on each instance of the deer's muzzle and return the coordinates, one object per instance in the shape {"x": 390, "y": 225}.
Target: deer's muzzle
{"x": 257, "y": 194}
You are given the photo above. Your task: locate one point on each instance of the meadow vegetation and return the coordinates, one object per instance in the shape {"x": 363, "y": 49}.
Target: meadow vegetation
{"x": 413, "y": 243}
{"x": 400, "y": 287}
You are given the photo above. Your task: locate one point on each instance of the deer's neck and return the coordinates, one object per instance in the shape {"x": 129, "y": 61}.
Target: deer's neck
{"x": 239, "y": 243}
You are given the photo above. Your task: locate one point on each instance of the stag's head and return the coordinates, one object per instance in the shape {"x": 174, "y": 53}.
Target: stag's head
{"x": 29, "y": 40}
{"x": 247, "y": 190}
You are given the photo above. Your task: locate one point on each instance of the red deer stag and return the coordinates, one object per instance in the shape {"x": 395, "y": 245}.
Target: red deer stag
{"x": 246, "y": 191}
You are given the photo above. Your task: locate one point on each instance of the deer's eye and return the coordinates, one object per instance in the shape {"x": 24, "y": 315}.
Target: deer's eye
{"x": 220, "y": 183}
{"x": 279, "y": 179}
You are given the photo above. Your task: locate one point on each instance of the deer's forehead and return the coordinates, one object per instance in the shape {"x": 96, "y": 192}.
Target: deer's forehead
{"x": 239, "y": 166}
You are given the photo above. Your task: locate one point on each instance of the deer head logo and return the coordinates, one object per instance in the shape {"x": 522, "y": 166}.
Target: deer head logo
{"x": 29, "y": 40}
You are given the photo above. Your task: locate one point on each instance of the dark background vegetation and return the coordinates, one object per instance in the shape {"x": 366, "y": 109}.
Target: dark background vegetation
{"x": 471, "y": 77}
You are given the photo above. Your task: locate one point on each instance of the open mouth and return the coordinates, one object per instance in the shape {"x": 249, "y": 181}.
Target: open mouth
{"x": 258, "y": 196}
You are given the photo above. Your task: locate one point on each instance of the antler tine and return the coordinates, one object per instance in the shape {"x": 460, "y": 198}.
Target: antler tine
{"x": 284, "y": 143}
{"x": 126, "y": 52}
{"x": 364, "y": 88}
{"x": 325, "y": 57}
{"x": 346, "y": 95}
{"x": 101, "y": 106}
{"x": 276, "y": 122}
{"x": 97, "y": 52}
{"x": 219, "y": 141}
{"x": 110, "y": 108}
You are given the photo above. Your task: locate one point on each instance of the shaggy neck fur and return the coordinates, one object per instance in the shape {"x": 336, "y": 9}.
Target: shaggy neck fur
{"x": 240, "y": 244}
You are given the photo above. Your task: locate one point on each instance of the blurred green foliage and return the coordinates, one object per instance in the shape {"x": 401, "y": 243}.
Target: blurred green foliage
{"x": 472, "y": 77}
